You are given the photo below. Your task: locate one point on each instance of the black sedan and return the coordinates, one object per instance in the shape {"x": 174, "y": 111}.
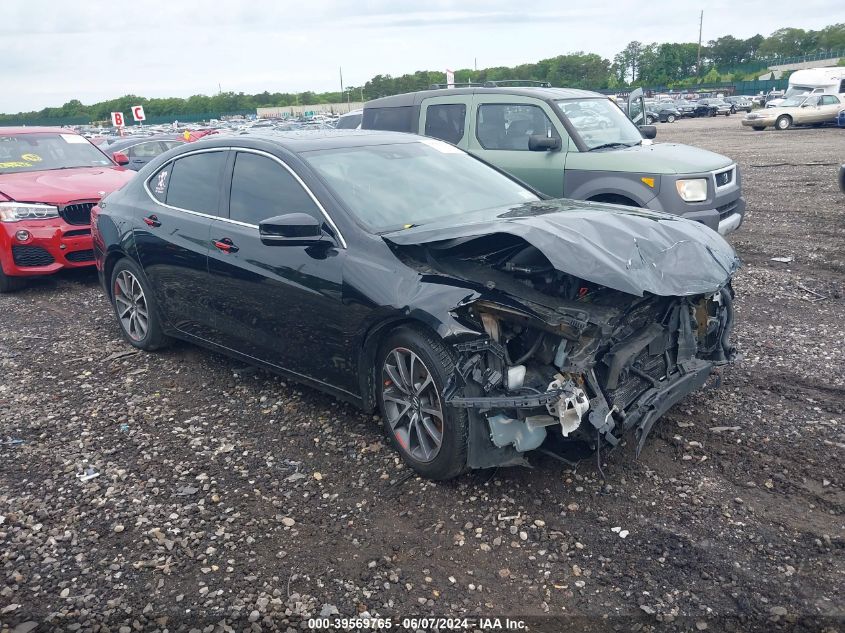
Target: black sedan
{"x": 398, "y": 272}
{"x": 137, "y": 151}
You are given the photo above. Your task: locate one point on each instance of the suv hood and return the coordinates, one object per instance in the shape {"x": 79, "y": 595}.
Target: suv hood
{"x": 659, "y": 158}
{"x": 60, "y": 186}
{"x": 631, "y": 250}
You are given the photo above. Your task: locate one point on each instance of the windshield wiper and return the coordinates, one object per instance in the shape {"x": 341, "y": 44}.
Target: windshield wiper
{"x": 609, "y": 145}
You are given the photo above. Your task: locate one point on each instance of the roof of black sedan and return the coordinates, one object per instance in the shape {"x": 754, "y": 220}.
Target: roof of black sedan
{"x": 308, "y": 140}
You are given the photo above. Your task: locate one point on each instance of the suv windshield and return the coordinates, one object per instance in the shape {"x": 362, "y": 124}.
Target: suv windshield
{"x": 600, "y": 123}
{"x": 390, "y": 187}
{"x": 42, "y": 151}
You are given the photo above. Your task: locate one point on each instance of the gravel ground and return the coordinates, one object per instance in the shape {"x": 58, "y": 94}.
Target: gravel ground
{"x": 229, "y": 499}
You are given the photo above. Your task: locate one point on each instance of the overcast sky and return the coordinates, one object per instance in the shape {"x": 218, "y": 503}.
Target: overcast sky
{"x": 57, "y": 50}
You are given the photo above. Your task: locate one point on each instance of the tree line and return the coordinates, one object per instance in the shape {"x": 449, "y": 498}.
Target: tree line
{"x": 669, "y": 64}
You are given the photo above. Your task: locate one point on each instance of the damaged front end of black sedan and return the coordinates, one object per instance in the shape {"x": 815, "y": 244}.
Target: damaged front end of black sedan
{"x": 592, "y": 320}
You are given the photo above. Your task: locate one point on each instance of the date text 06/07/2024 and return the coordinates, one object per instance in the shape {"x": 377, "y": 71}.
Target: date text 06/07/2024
{"x": 416, "y": 623}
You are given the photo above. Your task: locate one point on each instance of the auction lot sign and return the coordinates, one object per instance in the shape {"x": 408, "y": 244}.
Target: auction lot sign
{"x": 117, "y": 119}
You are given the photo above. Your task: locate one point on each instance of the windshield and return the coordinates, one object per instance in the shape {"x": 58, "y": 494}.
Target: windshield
{"x": 792, "y": 103}
{"x": 42, "y": 151}
{"x": 600, "y": 123}
{"x": 390, "y": 187}
{"x": 796, "y": 91}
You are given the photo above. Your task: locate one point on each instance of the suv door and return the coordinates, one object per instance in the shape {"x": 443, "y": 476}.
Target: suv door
{"x": 446, "y": 118}
{"x": 171, "y": 236}
{"x": 278, "y": 304}
{"x": 500, "y": 129}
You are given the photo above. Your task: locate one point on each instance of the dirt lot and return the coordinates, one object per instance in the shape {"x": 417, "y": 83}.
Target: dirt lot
{"x": 228, "y": 497}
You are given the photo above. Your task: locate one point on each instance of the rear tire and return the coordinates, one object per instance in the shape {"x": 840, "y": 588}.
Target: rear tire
{"x": 411, "y": 371}
{"x": 783, "y": 122}
{"x": 10, "y": 284}
{"x": 135, "y": 307}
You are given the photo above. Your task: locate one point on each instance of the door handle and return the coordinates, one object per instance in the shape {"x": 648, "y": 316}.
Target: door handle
{"x": 225, "y": 244}
{"x": 152, "y": 220}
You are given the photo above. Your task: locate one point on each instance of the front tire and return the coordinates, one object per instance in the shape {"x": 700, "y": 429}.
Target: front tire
{"x": 412, "y": 368}
{"x": 783, "y": 122}
{"x": 670, "y": 118}
{"x": 10, "y": 284}
{"x": 135, "y": 307}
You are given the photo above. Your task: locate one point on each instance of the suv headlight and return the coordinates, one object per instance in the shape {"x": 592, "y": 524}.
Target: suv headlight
{"x": 692, "y": 190}
{"x": 16, "y": 211}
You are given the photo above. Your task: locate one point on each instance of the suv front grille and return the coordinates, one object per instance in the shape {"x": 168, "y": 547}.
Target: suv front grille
{"x": 726, "y": 209}
{"x": 29, "y": 256}
{"x": 78, "y": 214}
{"x": 80, "y": 256}
{"x": 724, "y": 177}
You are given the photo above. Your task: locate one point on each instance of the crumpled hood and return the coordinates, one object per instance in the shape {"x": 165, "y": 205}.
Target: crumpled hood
{"x": 624, "y": 248}
{"x": 60, "y": 186}
{"x": 657, "y": 158}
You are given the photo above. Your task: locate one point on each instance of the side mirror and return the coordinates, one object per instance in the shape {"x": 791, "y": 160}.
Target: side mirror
{"x": 291, "y": 229}
{"x": 648, "y": 131}
{"x": 543, "y": 143}
{"x": 120, "y": 158}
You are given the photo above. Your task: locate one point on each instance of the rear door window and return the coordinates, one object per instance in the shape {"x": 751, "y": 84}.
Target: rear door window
{"x": 446, "y": 121}
{"x": 158, "y": 183}
{"x": 262, "y": 188}
{"x": 194, "y": 182}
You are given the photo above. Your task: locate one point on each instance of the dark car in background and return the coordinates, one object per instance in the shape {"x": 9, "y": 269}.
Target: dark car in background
{"x": 482, "y": 319}
{"x": 140, "y": 150}
{"x": 712, "y": 107}
{"x": 740, "y": 104}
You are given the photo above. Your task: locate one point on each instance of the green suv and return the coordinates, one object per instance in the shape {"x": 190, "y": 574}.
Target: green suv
{"x": 573, "y": 144}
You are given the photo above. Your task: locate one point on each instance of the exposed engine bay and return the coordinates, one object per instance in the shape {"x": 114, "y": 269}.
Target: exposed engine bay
{"x": 561, "y": 359}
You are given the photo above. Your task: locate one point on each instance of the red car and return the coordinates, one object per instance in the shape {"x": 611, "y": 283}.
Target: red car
{"x": 49, "y": 180}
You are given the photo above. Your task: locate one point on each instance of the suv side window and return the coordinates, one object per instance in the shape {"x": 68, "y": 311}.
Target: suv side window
{"x": 446, "y": 121}
{"x": 398, "y": 119}
{"x": 195, "y": 182}
{"x": 262, "y": 188}
{"x": 508, "y": 126}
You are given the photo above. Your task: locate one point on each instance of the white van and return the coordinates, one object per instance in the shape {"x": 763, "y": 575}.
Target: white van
{"x": 828, "y": 81}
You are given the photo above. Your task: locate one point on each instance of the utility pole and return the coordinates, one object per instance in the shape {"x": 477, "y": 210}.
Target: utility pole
{"x": 698, "y": 60}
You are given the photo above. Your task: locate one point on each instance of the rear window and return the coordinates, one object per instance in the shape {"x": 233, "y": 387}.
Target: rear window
{"x": 399, "y": 119}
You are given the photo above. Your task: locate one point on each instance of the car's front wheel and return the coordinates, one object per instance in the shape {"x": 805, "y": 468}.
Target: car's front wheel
{"x": 135, "y": 307}
{"x": 783, "y": 122}
{"x": 670, "y": 118}
{"x": 412, "y": 368}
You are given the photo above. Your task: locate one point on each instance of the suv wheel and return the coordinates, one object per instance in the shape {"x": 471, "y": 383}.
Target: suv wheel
{"x": 783, "y": 122}
{"x": 135, "y": 307}
{"x": 10, "y": 284}
{"x": 412, "y": 369}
